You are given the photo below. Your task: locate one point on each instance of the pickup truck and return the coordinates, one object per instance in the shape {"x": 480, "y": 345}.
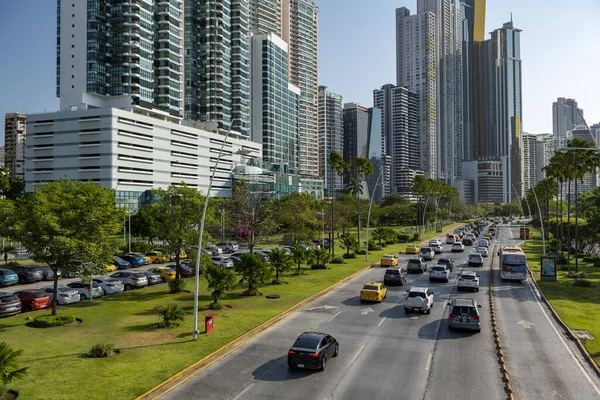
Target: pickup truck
{"x": 389, "y": 260}
{"x": 416, "y": 265}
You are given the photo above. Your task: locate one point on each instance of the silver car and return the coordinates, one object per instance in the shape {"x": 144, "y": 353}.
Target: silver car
{"x": 222, "y": 261}
{"x": 84, "y": 289}
{"x": 65, "y": 294}
{"x": 131, "y": 279}
{"x": 464, "y": 314}
{"x": 109, "y": 285}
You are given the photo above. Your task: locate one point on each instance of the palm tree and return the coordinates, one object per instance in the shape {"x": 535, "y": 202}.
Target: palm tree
{"x": 220, "y": 280}
{"x": 349, "y": 243}
{"x": 556, "y": 170}
{"x": 339, "y": 166}
{"x": 299, "y": 256}
{"x": 281, "y": 261}
{"x": 361, "y": 168}
{"x": 9, "y": 369}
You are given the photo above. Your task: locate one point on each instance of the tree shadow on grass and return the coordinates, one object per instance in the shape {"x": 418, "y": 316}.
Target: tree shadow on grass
{"x": 4, "y": 327}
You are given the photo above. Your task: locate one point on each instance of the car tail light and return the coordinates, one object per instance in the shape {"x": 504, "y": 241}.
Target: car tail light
{"x": 87, "y": 288}
{"x": 64, "y": 295}
{"x": 476, "y": 317}
{"x": 315, "y": 355}
{"x": 291, "y": 353}
{"x": 427, "y": 300}
{"x": 453, "y": 315}
{"x": 135, "y": 279}
{"x": 111, "y": 284}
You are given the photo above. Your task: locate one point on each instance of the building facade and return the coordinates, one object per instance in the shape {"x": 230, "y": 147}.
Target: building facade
{"x": 331, "y": 137}
{"x": 131, "y": 152}
{"x": 266, "y": 17}
{"x": 275, "y": 103}
{"x": 485, "y": 181}
{"x": 529, "y": 160}
{"x": 545, "y": 147}
{"x": 15, "y": 138}
{"x": 566, "y": 115}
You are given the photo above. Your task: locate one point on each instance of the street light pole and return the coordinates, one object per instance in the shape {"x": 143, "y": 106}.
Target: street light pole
{"x": 369, "y": 214}
{"x": 541, "y": 221}
{"x": 197, "y": 282}
{"x": 129, "y": 215}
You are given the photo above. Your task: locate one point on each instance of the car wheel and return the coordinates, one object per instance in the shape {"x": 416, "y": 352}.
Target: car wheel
{"x": 477, "y": 289}
{"x": 407, "y": 310}
{"x": 127, "y": 287}
{"x": 323, "y": 363}
{"x": 82, "y": 297}
{"x": 291, "y": 366}
{"x": 478, "y": 330}
{"x": 450, "y": 328}
{"x": 28, "y": 309}
{"x": 157, "y": 261}
{"x": 337, "y": 350}
{"x": 104, "y": 291}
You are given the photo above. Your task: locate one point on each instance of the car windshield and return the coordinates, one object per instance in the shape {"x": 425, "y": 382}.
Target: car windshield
{"x": 139, "y": 275}
{"x": 468, "y": 276}
{"x": 370, "y": 287}
{"x": 7, "y": 298}
{"x": 308, "y": 342}
{"x": 39, "y": 295}
{"x": 6, "y": 272}
{"x": 443, "y": 261}
{"x": 470, "y": 311}
{"x": 388, "y": 256}
{"x": 169, "y": 270}
{"x": 425, "y": 249}
{"x": 416, "y": 294}
{"x": 392, "y": 272}
{"x": 63, "y": 289}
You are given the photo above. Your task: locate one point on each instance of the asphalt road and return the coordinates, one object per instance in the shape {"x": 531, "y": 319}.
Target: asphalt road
{"x": 384, "y": 353}
{"x": 542, "y": 361}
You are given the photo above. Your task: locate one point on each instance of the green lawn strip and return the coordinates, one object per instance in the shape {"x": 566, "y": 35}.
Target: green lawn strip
{"x": 148, "y": 355}
{"x": 578, "y": 307}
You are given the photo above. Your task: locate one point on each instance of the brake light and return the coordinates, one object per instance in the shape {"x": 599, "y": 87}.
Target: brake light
{"x": 64, "y": 295}
{"x": 475, "y": 317}
{"x": 87, "y": 288}
{"x": 291, "y": 353}
{"x": 427, "y": 300}
{"x": 110, "y": 284}
{"x": 135, "y": 279}
{"x": 453, "y": 315}
{"x": 315, "y": 355}
{"x": 4, "y": 276}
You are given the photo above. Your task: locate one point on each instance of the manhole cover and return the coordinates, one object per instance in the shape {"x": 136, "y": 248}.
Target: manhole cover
{"x": 583, "y": 335}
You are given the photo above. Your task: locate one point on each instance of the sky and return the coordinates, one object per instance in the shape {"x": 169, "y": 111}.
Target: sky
{"x": 560, "y": 52}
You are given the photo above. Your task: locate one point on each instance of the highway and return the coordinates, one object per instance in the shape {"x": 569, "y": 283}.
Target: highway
{"x": 384, "y": 353}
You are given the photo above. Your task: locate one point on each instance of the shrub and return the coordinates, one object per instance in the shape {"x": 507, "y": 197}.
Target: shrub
{"x": 362, "y": 251}
{"x": 565, "y": 267}
{"x": 582, "y": 283}
{"x": 403, "y": 237}
{"x": 573, "y": 274}
{"x": 47, "y": 321}
{"x": 416, "y": 236}
{"x": 349, "y": 255}
{"x": 176, "y": 285}
{"x": 171, "y": 313}
{"x": 11, "y": 264}
{"x": 102, "y": 350}
{"x": 338, "y": 260}
{"x": 318, "y": 266}
{"x": 589, "y": 259}
{"x": 390, "y": 241}
{"x": 562, "y": 259}
{"x": 597, "y": 263}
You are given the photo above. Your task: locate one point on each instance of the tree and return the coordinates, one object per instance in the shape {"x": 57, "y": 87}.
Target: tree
{"x": 71, "y": 226}
{"x": 280, "y": 261}
{"x": 9, "y": 367}
{"x": 254, "y": 271}
{"x": 299, "y": 256}
{"x": 11, "y": 187}
{"x": 6, "y": 250}
{"x": 391, "y": 199}
{"x": 380, "y": 234}
{"x": 361, "y": 167}
{"x": 251, "y": 214}
{"x": 146, "y": 222}
{"x": 295, "y": 215}
{"x": 178, "y": 213}
{"x": 171, "y": 314}
{"x": 220, "y": 280}
{"x": 349, "y": 243}
{"x": 319, "y": 257}
{"x": 339, "y": 167}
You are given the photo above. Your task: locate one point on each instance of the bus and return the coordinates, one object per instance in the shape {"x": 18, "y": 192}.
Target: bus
{"x": 513, "y": 263}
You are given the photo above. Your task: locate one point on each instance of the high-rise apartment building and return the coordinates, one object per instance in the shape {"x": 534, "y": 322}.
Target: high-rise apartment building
{"x": 529, "y": 160}
{"x": 131, "y": 49}
{"x": 15, "y": 131}
{"x": 2, "y": 164}
{"x": 416, "y": 68}
{"x": 545, "y": 147}
{"x": 566, "y": 115}
{"x": 266, "y": 17}
{"x": 331, "y": 137}
{"x": 275, "y": 103}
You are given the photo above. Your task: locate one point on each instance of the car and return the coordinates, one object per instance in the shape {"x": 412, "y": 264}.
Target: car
{"x": 373, "y": 291}
{"x": 488, "y": 236}
{"x": 437, "y": 248}
{"x": 65, "y": 294}
{"x": 483, "y": 251}
{"x": 9, "y": 304}
{"x": 484, "y": 243}
{"x": 131, "y": 279}
{"x": 33, "y": 300}
{"x": 8, "y": 277}
{"x": 468, "y": 280}
{"x": 475, "y": 260}
{"x": 153, "y": 278}
{"x": 187, "y": 270}
{"x": 433, "y": 242}
{"x": 449, "y": 263}
{"x": 450, "y": 239}
{"x": 120, "y": 263}
{"x": 167, "y": 273}
{"x": 147, "y": 259}
{"x": 467, "y": 242}
{"x": 221, "y": 261}
{"x": 84, "y": 289}
{"x": 469, "y": 235}
{"x": 109, "y": 285}
{"x": 416, "y": 265}
{"x": 134, "y": 260}
{"x": 426, "y": 253}
{"x": 158, "y": 257}
{"x": 419, "y": 299}
{"x": 312, "y": 350}
{"x": 109, "y": 268}
{"x": 47, "y": 273}
{"x": 464, "y": 314}
{"x": 389, "y": 260}
{"x": 394, "y": 276}
{"x": 412, "y": 249}
{"x": 28, "y": 274}
{"x": 439, "y": 272}
{"x": 235, "y": 259}
{"x": 215, "y": 251}
{"x": 458, "y": 247}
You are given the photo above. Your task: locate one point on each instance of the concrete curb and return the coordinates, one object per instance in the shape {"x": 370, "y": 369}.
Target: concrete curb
{"x": 584, "y": 352}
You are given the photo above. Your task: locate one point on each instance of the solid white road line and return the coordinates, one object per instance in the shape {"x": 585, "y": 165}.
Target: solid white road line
{"x": 244, "y": 390}
{"x": 429, "y": 358}
{"x": 381, "y": 322}
{"x": 333, "y": 316}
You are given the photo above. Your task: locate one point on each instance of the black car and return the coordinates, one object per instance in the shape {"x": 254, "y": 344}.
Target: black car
{"x": 28, "y": 274}
{"x": 467, "y": 242}
{"x": 186, "y": 270}
{"x": 394, "y": 276}
{"x": 48, "y": 274}
{"x": 447, "y": 262}
{"x": 312, "y": 350}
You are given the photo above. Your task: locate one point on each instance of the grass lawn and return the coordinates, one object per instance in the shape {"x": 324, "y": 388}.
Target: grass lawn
{"x": 57, "y": 369}
{"x": 579, "y": 307}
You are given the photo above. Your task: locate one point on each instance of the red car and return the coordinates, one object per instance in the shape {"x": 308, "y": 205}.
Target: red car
{"x": 33, "y": 300}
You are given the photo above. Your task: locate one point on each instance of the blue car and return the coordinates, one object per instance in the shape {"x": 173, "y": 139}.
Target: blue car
{"x": 120, "y": 263}
{"x": 8, "y": 277}
{"x": 134, "y": 260}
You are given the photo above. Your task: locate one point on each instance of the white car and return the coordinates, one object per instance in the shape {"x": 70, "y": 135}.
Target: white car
{"x": 458, "y": 247}
{"x": 468, "y": 280}
{"x": 426, "y": 253}
{"x": 450, "y": 239}
{"x": 483, "y": 251}
{"x": 475, "y": 259}
{"x": 434, "y": 242}
{"x": 470, "y": 236}
{"x": 109, "y": 285}
{"x": 419, "y": 299}
{"x": 439, "y": 272}
{"x": 65, "y": 294}
{"x": 437, "y": 248}
{"x": 484, "y": 243}
{"x": 220, "y": 261}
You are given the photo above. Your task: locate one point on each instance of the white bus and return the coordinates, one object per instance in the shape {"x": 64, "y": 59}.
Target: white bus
{"x": 513, "y": 263}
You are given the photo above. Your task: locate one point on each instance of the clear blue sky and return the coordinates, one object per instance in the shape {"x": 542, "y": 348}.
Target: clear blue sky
{"x": 560, "y": 49}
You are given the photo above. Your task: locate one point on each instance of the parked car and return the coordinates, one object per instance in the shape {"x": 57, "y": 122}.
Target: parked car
{"x": 109, "y": 268}
{"x": 187, "y": 270}
{"x": 389, "y": 260}
{"x": 9, "y": 304}
{"x": 464, "y": 314}
{"x": 84, "y": 289}
{"x": 221, "y": 261}
{"x": 373, "y": 291}
{"x": 131, "y": 279}
{"x": 120, "y": 263}
{"x": 8, "y": 277}
{"x": 419, "y": 299}
{"x": 167, "y": 273}
{"x": 147, "y": 260}
{"x": 437, "y": 248}
{"x": 153, "y": 278}
{"x": 157, "y": 257}
{"x": 216, "y": 251}
{"x": 468, "y": 280}
{"x": 47, "y": 273}
{"x": 312, "y": 350}
{"x": 416, "y": 265}
{"x": 412, "y": 249}
{"x": 235, "y": 259}
{"x": 449, "y": 263}
{"x": 109, "y": 285}
{"x": 134, "y": 260}
{"x": 65, "y": 294}
{"x": 426, "y": 253}
{"x": 439, "y": 272}
{"x": 33, "y": 300}
{"x": 28, "y": 274}
{"x": 458, "y": 247}
{"x": 394, "y": 276}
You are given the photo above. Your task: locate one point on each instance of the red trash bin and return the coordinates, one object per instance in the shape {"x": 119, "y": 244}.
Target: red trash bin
{"x": 209, "y": 322}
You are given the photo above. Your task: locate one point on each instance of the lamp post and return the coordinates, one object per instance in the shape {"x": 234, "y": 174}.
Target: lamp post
{"x": 129, "y": 239}
{"x": 541, "y": 221}
{"x": 369, "y": 214}
{"x": 197, "y": 281}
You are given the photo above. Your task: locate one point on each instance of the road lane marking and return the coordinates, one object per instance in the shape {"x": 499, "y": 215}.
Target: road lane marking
{"x": 325, "y": 307}
{"x": 366, "y": 311}
{"x": 429, "y": 359}
{"x": 381, "y": 322}
{"x": 243, "y": 391}
{"x": 414, "y": 317}
{"x": 583, "y": 371}
{"x": 525, "y": 324}
{"x": 334, "y": 315}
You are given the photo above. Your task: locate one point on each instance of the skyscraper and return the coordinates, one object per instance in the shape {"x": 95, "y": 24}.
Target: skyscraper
{"x": 15, "y": 131}
{"x": 119, "y": 49}
{"x": 529, "y": 160}
{"x": 566, "y": 115}
{"x": 416, "y": 69}
{"x": 545, "y": 147}
{"x": 266, "y": 17}
{"x": 331, "y": 136}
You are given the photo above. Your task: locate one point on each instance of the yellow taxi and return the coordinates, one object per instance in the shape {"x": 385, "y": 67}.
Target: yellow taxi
{"x": 183, "y": 255}
{"x": 147, "y": 259}
{"x": 412, "y": 249}
{"x": 166, "y": 273}
{"x": 389, "y": 260}
{"x": 109, "y": 268}
{"x": 488, "y": 236}
{"x": 157, "y": 257}
{"x": 373, "y": 291}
